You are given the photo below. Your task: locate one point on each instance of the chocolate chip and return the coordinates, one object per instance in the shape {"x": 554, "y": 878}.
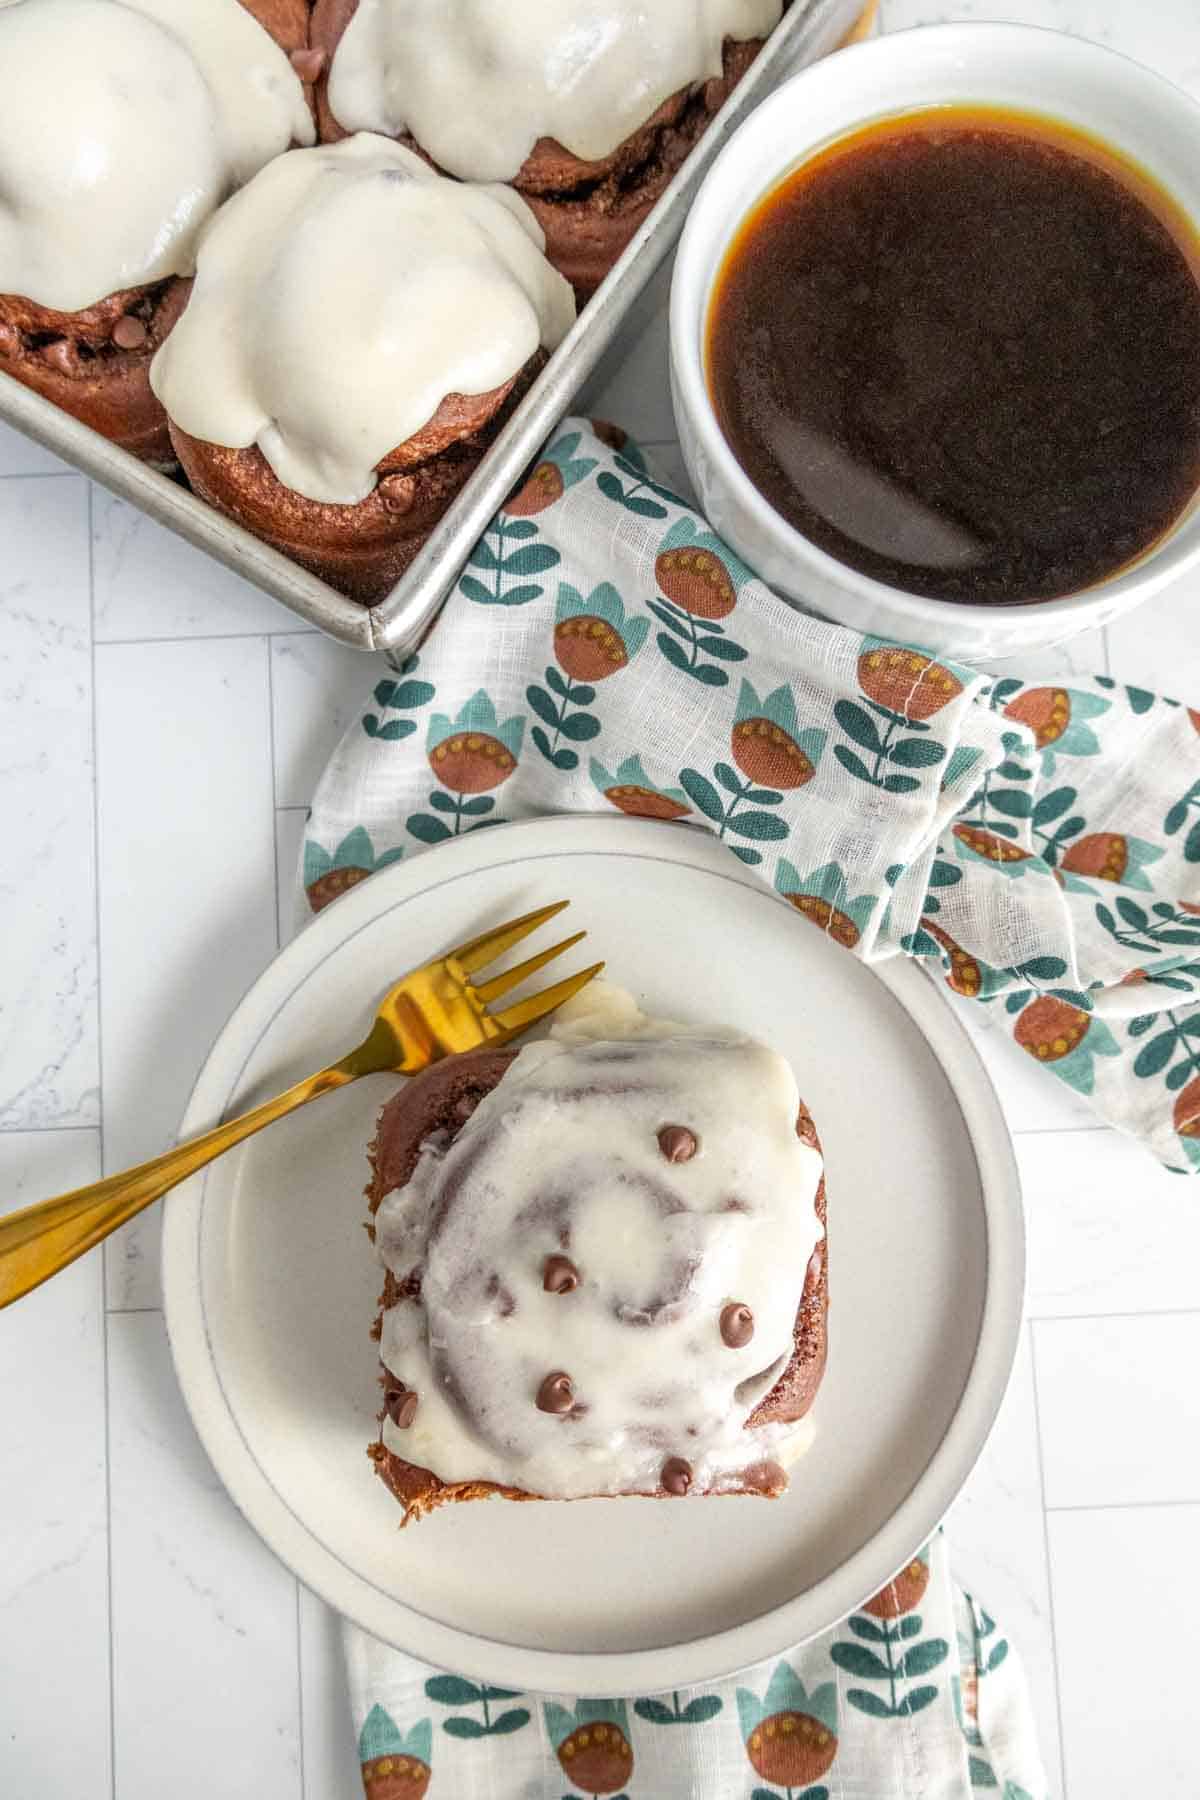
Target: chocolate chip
{"x": 765, "y": 1478}
{"x": 677, "y": 1475}
{"x": 677, "y": 1143}
{"x": 308, "y": 64}
{"x": 129, "y": 333}
{"x": 560, "y": 1276}
{"x": 556, "y": 1394}
{"x": 397, "y": 493}
{"x": 401, "y": 1405}
{"x": 737, "y": 1324}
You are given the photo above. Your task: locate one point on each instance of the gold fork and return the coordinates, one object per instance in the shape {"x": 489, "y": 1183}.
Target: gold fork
{"x": 435, "y": 1011}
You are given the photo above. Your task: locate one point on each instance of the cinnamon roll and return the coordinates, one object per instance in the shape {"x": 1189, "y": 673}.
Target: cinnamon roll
{"x": 123, "y": 128}
{"x": 606, "y": 1268}
{"x": 359, "y": 330}
{"x": 588, "y": 108}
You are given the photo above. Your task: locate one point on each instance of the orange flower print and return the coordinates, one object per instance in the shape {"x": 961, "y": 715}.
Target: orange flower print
{"x": 966, "y": 973}
{"x": 1186, "y": 1117}
{"x": 1066, "y": 1038}
{"x": 767, "y": 743}
{"x": 631, "y": 791}
{"x": 1059, "y": 719}
{"x": 908, "y": 683}
{"x": 591, "y": 1742}
{"x": 473, "y": 752}
{"x": 558, "y": 470}
{"x": 903, "y": 1594}
{"x": 699, "y": 579}
{"x": 1047, "y": 712}
{"x": 790, "y": 1734}
{"x": 1112, "y": 856}
{"x": 973, "y": 842}
{"x": 540, "y": 489}
{"x": 823, "y": 897}
{"x": 696, "y": 581}
{"x": 329, "y": 874}
{"x": 593, "y": 636}
{"x": 395, "y": 1764}
{"x": 470, "y": 755}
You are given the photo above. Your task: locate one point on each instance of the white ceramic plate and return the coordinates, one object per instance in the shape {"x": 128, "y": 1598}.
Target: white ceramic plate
{"x": 270, "y": 1283}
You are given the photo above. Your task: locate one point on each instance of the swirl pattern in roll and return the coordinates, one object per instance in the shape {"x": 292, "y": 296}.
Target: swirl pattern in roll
{"x": 596, "y": 1281}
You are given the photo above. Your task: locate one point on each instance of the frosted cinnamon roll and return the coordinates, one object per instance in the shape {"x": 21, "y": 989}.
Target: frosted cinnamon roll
{"x": 359, "y": 330}
{"x": 605, "y": 1268}
{"x": 125, "y": 124}
{"x": 588, "y": 107}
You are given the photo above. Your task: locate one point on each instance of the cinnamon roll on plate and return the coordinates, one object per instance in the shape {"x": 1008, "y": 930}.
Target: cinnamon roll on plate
{"x": 605, "y": 1267}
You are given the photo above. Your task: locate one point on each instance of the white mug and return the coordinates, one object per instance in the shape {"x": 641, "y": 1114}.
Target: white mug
{"x": 1136, "y": 112}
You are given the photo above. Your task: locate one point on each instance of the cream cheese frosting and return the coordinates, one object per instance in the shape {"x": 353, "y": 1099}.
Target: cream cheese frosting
{"x": 340, "y": 297}
{"x": 562, "y": 1163}
{"x": 125, "y": 123}
{"x": 478, "y": 84}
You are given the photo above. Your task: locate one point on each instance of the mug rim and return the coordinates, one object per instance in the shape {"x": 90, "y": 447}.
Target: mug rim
{"x": 708, "y": 234}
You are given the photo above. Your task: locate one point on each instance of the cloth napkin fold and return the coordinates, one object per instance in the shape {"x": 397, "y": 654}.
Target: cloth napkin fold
{"x": 916, "y": 1697}
{"x": 1034, "y": 845}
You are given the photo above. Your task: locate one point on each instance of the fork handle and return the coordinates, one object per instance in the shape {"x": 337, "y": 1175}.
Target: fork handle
{"x": 38, "y": 1241}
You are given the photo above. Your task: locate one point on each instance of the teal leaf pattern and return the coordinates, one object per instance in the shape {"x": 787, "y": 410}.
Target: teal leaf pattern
{"x": 506, "y": 558}
{"x": 892, "y": 1650}
{"x": 886, "y": 795}
{"x": 398, "y": 696}
{"x": 695, "y": 1711}
{"x": 453, "y": 1690}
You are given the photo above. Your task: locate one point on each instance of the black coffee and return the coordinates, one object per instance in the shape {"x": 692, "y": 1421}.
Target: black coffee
{"x": 960, "y": 351}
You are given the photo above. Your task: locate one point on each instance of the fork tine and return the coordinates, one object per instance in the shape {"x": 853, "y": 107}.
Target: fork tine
{"x": 527, "y": 1012}
{"x": 500, "y": 984}
{"x": 485, "y": 948}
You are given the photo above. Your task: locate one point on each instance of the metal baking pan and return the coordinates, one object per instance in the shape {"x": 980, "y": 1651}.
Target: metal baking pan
{"x": 808, "y": 30}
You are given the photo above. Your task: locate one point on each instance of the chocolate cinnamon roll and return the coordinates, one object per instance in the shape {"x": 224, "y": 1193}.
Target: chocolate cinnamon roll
{"x": 359, "y": 330}
{"x": 123, "y": 128}
{"x": 606, "y": 1269}
{"x": 589, "y": 108}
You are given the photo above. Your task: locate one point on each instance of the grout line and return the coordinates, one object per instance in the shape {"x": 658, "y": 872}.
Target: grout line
{"x": 294, "y": 808}
{"x": 1050, "y": 1130}
{"x": 1107, "y": 1506}
{"x": 103, "y": 1259}
{"x": 1041, "y": 1471}
{"x": 300, "y": 1695}
{"x": 16, "y": 1130}
{"x": 45, "y": 475}
{"x": 124, "y": 1312}
{"x": 211, "y": 637}
{"x": 274, "y": 827}
{"x": 1143, "y": 1312}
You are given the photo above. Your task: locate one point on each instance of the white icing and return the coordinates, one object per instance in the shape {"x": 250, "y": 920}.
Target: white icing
{"x": 568, "y": 1140}
{"x": 340, "y": 298}
{"x": 125, "y": 123}
{"x": 478, "y": 84}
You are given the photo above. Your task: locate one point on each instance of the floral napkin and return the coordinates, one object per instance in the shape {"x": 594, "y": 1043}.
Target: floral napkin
{"x": 1036, "y": 846}
{"x": 915, "y": 1697}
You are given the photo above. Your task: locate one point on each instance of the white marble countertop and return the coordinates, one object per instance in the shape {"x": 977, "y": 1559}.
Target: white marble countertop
{"x": 161, "y": 730}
